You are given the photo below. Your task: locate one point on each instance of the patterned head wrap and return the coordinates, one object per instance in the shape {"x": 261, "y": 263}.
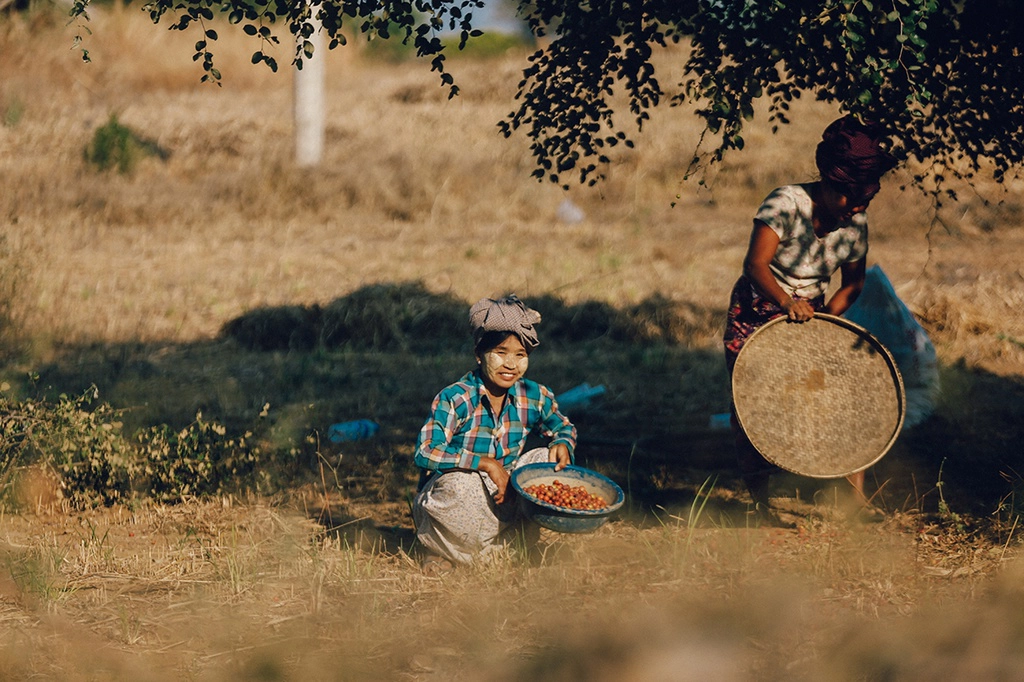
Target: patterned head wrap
{"x": 850, "y": 156}
{"x": 507, "y": 314}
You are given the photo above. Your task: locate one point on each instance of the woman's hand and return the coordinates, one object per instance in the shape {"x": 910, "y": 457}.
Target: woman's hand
{"x": 763, "y": 244}
{"x": 559, "y": 454}
{"x": 849, "y": 289}
{"x": 798, "y": 310}
{"x": 497, "y": 473}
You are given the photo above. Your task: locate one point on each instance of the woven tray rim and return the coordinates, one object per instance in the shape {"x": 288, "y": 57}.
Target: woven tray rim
{"x": 883, "y": 352}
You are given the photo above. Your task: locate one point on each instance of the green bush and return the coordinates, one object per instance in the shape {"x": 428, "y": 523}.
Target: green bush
{"x": 117, "y": 146}
{"x": 84, "y": 445}
{"x": 13, "y": 110}
{"x": 200, "y": 459}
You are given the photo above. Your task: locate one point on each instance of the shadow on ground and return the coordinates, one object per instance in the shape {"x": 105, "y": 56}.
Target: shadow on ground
{"x": 383, "y": 351}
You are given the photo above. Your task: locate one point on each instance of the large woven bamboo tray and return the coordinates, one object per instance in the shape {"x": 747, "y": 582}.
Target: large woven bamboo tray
{"x": 821, "y": 398}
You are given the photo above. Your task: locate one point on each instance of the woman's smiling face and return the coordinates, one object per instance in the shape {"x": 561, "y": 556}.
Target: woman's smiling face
{"x": 504, "y": 364}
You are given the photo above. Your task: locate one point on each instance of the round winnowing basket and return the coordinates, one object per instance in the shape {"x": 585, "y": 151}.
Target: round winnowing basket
{"x": 821, "y": 398}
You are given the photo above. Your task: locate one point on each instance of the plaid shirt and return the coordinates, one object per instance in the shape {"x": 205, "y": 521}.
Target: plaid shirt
{"x": 461, "y": 428}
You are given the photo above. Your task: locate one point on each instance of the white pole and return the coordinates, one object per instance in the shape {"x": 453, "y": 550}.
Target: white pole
{"x": 309, "y": 102}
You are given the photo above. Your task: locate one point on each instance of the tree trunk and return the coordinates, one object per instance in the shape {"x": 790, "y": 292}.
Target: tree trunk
{"x": 309, "y": 103}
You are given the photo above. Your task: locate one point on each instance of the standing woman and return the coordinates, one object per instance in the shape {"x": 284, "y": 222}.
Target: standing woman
{"x": 802, "y": 234}
{"x": 475, "y": 436}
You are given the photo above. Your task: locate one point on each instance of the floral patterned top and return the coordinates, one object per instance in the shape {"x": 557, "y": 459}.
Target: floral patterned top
{"x": 804, "y": 263}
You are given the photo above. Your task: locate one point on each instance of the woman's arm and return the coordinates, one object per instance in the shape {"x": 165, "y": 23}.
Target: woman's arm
{"x": 849, "y": 289}
{"x": 498, "y": 474}
{"x": 556, "y": 426}
{"x": 763, "y": 245}
{"x": 434, "y": 447}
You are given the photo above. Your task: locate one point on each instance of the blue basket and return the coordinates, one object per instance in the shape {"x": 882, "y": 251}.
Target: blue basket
{"x": 562, "y": 519}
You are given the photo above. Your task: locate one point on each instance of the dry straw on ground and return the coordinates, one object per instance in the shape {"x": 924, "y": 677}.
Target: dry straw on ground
{"x": 171, "y": 288}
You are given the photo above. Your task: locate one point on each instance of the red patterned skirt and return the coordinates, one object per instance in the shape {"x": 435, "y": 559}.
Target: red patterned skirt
{"x": 748, "y": 311}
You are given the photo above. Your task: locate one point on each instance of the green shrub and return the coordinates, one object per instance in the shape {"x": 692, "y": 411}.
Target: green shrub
{"x": 84, "y": 445}
{"x": 86, "y": 449}
{"x": 200, "y": 459}
{"x": 12, "y": 112}
{"x": 117, "y": 146}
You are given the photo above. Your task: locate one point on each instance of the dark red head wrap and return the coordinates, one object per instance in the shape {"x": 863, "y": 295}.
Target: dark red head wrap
{"x": 850, "y": 156}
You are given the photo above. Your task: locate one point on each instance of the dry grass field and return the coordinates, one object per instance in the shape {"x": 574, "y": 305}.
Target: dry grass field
{"x": 211, "y": 278}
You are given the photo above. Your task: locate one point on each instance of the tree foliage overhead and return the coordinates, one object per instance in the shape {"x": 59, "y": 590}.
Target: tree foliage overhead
{"x": 944, "y": 76}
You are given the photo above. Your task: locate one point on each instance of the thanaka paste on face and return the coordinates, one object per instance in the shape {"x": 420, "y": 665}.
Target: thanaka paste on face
{"x": 496, "y": 362}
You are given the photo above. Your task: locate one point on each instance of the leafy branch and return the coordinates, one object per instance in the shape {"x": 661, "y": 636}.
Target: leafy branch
{"x": 945, "y": 78}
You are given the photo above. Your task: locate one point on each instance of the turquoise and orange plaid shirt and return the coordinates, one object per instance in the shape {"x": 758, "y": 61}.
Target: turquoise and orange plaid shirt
{"x": 462, "y": 428}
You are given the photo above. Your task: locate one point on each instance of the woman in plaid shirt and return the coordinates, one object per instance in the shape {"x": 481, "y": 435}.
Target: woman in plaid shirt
{"x": 476, "y": 435}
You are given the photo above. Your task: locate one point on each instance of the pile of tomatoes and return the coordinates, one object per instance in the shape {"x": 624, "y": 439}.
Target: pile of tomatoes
{"x": 565, "y": 495}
